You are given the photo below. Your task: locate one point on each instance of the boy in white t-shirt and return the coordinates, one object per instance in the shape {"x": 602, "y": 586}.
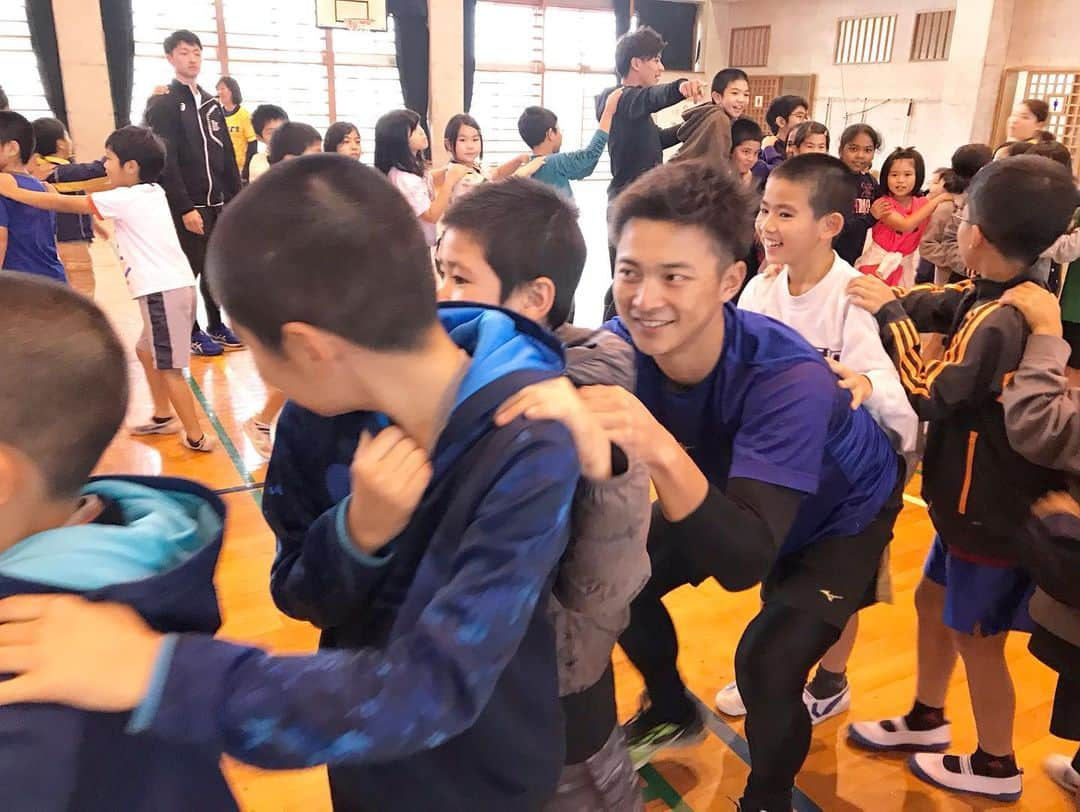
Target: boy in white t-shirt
{"x": 158, "y": 274}
{"x": 801, "y": 213}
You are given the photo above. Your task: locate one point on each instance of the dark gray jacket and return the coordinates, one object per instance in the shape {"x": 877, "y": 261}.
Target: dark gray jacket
{"x": 605, "y": 564}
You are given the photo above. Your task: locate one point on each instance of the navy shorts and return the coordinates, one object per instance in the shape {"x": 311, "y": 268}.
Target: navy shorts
{"x": 980, "y": 598}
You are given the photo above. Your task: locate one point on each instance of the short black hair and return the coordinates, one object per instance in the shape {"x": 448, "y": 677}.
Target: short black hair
{"x": 745, "y": 129}
{"x": 695, "y": 194}
{"x": 453, "y": 127}
{"x": 183, "y": 36}
{"x": 1022, "y": 204}
{"x": 641, "y": 43}
{"x": 392, "y": 151}
{"x": 353, "y": 261}
{"x": 141, "y": 145}
{"x": 534, "y": 123}
{"x": 903, "y": 154}
{"x": 830, "y": 184}
{"x": 234, "y": 89}
{"x": 1038, "y": 108}
{"x": 799, "y": 135}
{"x": 1018, "y": 148}
{"x": 4, "y": 104}
{"x": 967, "y": 161}
{"x": 264, "y": 114}
{"x": 527, "y": 230}
{"x": 783, "y": 106}
{"x": 336, "y": 133}
{"x": 291, "y": 138}
{"x": 48, "y": 132}
{"x": 951, "y": 182}
{"x": 14, "y": 127}
{"x": 64, "y": 389}
{"x": 726, "y": 77}
{"x": 852, "y": 130}
{"x": 1054, "y": 150}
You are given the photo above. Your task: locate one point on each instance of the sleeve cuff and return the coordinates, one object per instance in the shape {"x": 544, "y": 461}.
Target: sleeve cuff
{"x": 341, "y": 530}
{"x": 143, "y": 715}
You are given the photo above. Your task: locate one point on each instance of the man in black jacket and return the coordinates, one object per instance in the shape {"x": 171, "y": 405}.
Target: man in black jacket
{"x": 636, "y": 144}
{"x": 200, "y": 172}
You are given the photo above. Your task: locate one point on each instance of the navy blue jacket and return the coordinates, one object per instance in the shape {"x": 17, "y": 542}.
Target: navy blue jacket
{"x": 159, "y": 560}
{"x": 443, "y": 693}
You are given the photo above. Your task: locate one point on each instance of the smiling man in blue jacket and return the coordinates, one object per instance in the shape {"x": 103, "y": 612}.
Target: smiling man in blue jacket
{"x": 415, "y": 533}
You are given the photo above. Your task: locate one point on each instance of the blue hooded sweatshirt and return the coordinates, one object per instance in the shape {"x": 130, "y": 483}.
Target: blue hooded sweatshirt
{"x": 158, "y": 558}
{"x": 444, "y": 693}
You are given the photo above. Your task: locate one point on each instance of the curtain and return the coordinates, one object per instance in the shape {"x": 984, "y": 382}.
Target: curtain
{"x": 120, "y": 56}
{"x": 470, "y": 51}
{"x": 677, "y": 24}
{"x": 39, "y": 18}
{"x": 411, "y": 47}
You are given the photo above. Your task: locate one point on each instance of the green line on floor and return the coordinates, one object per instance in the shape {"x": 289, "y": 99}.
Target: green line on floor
{"x": 658, "y": 787}
{"x": 223, "y": 437}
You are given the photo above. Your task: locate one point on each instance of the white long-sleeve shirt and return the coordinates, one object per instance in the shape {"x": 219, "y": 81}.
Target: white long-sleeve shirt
{"x": 825, "y": 317}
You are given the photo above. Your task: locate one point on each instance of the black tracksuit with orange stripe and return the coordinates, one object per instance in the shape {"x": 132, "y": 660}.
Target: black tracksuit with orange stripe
{"x": 979, "y": 489}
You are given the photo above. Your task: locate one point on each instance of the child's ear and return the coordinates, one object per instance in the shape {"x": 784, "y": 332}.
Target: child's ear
{"x": 832, "y": 224}
{"x": 8, "y": 475}
{"x": 717, "y": 97}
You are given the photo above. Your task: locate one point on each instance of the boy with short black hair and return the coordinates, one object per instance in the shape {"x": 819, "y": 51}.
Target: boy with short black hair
{"x": 801, "y": 212}
{"x": 539, "y": 129}
{"x": 157, "y": 273}
{"x": 785, "y": 113}
{"x": 27, "y": 235}
{"x": 762, "y": 469}
{"x": 745, "y": 146}
{"x": 517, "y": 244}
{"x": 706, "y": 130}
{"x": 420, "y": 537}
{"x": 147, "y": 542}
{"x": 74, "y": 232}
{"x": 265, "y": 120}
{"x": 980, "y": 490}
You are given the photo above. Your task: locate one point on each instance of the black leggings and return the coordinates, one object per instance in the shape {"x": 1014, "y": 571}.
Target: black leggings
{"x": 194, "y": 248}
{"x": 772, "y": 663}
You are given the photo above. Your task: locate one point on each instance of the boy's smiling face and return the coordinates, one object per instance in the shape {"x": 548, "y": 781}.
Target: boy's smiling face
{"x": 735, "y": 98}
{"x": 787, "y": 225}
{"x": 745, "y": 155}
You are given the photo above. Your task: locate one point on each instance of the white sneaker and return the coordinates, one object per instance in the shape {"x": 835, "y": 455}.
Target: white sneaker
{"x": 729, "y": 700}
{"x": 259, "y": 435}
{"x": 822, "y": 709}
{"x": 170, "y": 426}
{"x": 931, "y": 769}
{"x": 1060, "y": 769}
{"x": 205, "y": 444}
{"x": 893, "y": 734}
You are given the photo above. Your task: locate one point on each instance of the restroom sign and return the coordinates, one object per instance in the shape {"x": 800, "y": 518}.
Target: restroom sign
{"x": 759, "y": 101}
{"x": 1056, "y": 103}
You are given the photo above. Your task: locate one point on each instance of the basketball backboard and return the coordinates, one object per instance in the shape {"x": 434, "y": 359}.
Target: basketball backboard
{"x": 362, "y": 15}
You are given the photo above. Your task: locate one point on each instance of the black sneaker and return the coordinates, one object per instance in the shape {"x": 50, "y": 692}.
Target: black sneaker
{"x": 647, "y": 733}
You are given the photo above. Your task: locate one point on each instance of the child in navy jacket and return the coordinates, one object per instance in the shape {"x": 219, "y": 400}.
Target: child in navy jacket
{"x": 437, "y": 686}
{"x": 149, "y": 543}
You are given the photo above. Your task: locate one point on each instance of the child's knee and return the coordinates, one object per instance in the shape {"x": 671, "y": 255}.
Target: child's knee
{"x": 978, "y": 647}
{"x": 929, "y": 598}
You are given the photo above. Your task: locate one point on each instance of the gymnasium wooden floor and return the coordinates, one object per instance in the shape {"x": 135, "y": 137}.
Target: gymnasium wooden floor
{"x": 707, "y": 777}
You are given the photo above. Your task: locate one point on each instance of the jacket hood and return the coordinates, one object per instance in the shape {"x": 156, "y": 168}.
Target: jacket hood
{"x": 697, "y": 118}
{"x": 500, "y": 343}
{"x": 159, "y": 560}
{"x": 597, "y": 357}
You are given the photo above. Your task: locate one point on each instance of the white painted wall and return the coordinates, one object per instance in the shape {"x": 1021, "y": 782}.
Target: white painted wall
{"x": 1045, "y": 34}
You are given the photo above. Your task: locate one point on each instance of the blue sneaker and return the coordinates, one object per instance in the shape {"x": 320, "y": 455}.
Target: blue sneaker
{"x": 202, "y": 344}
{"x": 226, "y": 338}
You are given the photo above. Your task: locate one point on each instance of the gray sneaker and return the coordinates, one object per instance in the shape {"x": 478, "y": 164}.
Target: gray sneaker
{"x": 205, "y": 444}
{"x": 170, "y": 426}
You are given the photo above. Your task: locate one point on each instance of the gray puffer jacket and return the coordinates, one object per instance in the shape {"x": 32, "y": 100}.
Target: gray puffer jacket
{"x": 605, "y": 564}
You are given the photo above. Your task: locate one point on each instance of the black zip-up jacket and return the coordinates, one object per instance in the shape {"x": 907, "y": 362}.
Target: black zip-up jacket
{"x": 200, "y": 166}
{"x": 636, "y": 144}
{"x": 979, "y": 490}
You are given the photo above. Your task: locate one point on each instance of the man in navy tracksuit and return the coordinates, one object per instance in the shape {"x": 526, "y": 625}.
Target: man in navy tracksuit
{"x": 148, "y": 542}
{"x": 420, "y": 537}
{"x": 200, "y": 174}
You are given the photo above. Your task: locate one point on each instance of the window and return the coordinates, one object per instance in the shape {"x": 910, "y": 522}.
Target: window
{"x": 862, "y": 40}
{"x": 750, "y": 46}
{"x": 932, "y": 37}
{"x": 557, "y": 56}
{"x": 18, "y": 65}
{"x": 1061, "y": 91}
{"x": 278, "y": 55}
